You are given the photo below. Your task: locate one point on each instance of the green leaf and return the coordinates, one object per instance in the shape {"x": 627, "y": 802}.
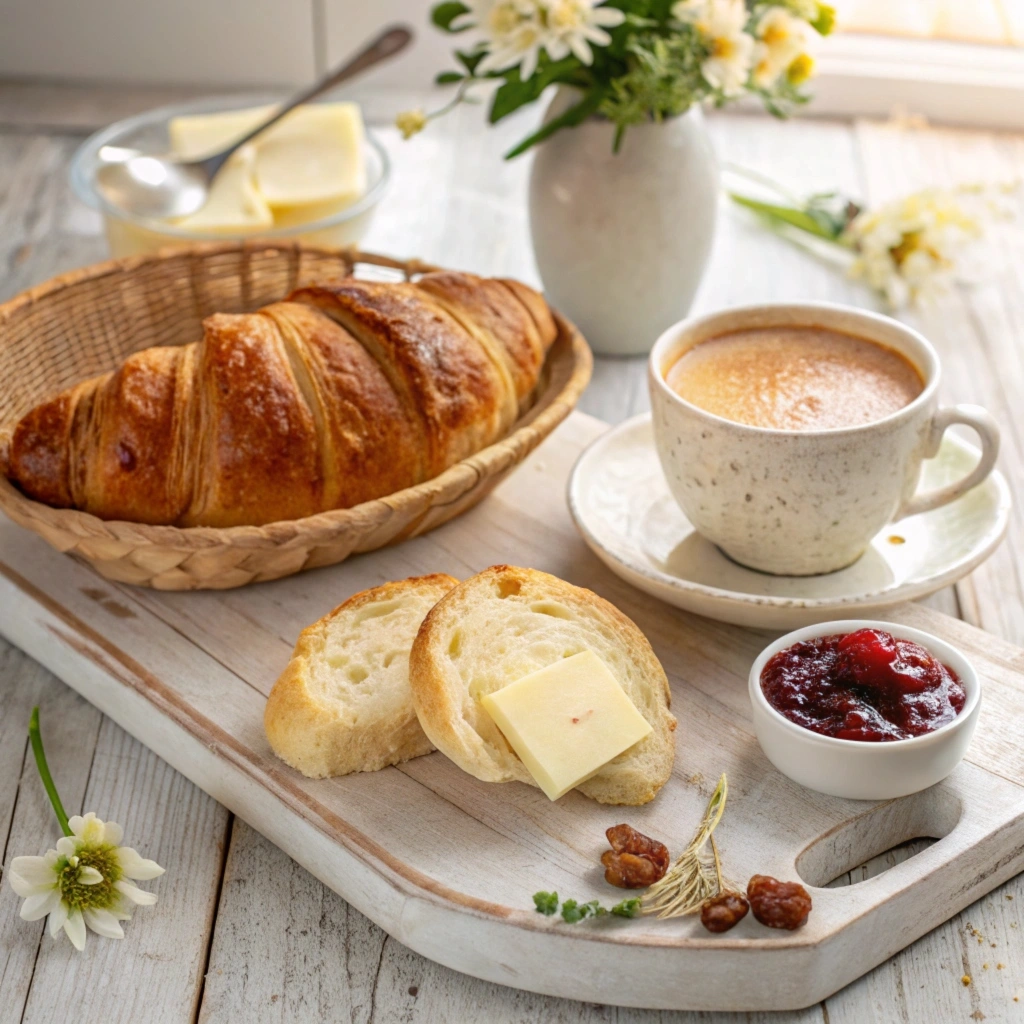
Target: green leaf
{"x": 569, "y": 119}
{"x": 444, "y": 14}
{"x": 793, "y": 216}
{"x": 516, "y": 93}
{"x": 546, "y": 902}
{"x": 511, "y": 96}
{"x": 627, "y": 908}
{"x": 470, "y": 60}
{"x": 449, "y": 78}
{"x": 825, "y": 20}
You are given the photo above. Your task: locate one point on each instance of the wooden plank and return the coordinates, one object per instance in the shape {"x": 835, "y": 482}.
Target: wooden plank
{"x": 37, "y": 212}
{"x": 165, "y": 946}
{"x": 99, "y": 767}
{"x": 70, "y": 727}
{"x": 288, "y": 951}
{"x": 925, "y": 983}
{"x": 54, "y": 107}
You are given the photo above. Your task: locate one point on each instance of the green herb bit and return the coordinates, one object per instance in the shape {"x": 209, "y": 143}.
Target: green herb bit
{"x": 546, "y": 902}
{"x": 627, "y": 908}
{"x": 572, "y": 912}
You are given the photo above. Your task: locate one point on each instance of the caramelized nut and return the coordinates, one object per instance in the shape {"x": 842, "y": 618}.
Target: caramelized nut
{"x": 778, "y": 904}
{"x": 724, "y": 911}
{"x": 634, "y": 861}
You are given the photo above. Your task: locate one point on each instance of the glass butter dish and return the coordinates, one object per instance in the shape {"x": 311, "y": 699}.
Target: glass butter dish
{"x": 150, "y": 132}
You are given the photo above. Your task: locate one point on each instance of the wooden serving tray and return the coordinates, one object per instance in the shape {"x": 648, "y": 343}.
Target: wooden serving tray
{"x": 447, "y": 864}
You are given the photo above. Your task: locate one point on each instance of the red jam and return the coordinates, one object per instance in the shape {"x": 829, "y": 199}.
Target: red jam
{"x": 867, "y": 685}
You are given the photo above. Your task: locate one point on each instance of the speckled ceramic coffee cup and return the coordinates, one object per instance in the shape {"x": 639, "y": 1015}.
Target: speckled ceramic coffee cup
{"x": 801, "y": 503}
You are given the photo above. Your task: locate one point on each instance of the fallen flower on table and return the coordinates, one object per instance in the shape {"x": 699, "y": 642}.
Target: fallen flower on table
{"x": 906, "y": 250}
{"x": 84, "y": 881}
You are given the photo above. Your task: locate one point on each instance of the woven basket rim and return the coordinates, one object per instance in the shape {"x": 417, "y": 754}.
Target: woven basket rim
{"x": 323, "y": 524}
{"x": 127, "y": 264}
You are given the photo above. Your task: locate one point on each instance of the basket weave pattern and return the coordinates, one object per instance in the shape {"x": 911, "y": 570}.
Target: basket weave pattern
{"x": 86, "y": 322}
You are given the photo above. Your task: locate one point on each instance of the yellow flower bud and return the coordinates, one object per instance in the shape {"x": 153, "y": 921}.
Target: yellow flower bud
{"x": 411, "y": 122}
{"x": 801, "y": 69}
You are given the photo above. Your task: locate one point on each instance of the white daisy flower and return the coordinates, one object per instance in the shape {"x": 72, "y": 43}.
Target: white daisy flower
{"x": 515, "y": 33}
{"x": 689, "y": 10}
{"x": 575, "y": 24}
{"x": 517, "y": 30}
{"x": 782, "y": 39}
{"x": 83, "y": 883}
{"x": 722, "y": 24}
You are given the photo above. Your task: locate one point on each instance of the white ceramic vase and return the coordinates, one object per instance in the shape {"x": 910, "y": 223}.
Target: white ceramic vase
{"x": 622, "y": 239}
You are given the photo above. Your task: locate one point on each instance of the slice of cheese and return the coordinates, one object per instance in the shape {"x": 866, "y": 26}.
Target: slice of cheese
{"x": 566, "y": 721}
{"x": 309, "y": 165}
{"x": 234, "y": 204}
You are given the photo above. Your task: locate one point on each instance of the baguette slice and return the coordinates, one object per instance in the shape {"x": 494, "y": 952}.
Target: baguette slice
{"x": 505, "y": 623}
{"x": 342, "y": 703}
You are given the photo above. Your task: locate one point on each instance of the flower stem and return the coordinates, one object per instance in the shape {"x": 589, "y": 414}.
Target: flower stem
{"x": 44, "y": 771}
{"x": 762, "y": 179}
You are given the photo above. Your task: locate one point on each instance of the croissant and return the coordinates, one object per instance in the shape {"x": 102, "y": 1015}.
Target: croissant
{"x": 344, "y": 392}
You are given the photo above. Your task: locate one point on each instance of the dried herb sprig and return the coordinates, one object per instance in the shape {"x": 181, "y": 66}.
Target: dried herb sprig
{"x": 697, "y": 874}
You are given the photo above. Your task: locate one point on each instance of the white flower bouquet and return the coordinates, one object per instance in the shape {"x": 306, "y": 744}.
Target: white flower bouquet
{"x": 630, "y": 60}
{"x": 907, "y": 250}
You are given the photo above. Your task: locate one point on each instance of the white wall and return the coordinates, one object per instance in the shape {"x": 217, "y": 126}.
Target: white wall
{"x": 208, "y": 42}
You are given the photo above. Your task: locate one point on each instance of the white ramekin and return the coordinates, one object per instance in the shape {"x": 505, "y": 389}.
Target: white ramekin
{"x": 856, "y": 769}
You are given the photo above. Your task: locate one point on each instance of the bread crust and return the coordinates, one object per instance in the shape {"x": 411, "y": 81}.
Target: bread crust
{"x": 315, "y": 734}
{"x": 500, "y": 321}
{"x": 448, "y": 377}
{"x": 456, "y": 724}
{"x": 371, "y": 443}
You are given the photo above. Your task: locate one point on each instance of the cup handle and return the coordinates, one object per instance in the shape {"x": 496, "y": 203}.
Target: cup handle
{"x": 985, "y": 426}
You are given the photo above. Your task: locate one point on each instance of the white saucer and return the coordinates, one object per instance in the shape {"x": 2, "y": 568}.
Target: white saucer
{"x": 621, "y": 504}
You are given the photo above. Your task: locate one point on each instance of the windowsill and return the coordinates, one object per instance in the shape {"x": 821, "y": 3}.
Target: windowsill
{"x": 959, "y": 83}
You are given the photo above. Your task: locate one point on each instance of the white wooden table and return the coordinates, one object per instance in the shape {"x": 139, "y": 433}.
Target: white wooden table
{"x": 241, "y": 933}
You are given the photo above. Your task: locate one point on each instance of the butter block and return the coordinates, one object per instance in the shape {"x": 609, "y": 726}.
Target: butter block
{"x": 234, "y": 204}
{"x": 314, "y": 156}
{"x": 313, "y": 160}
{"x": 197, "y": 135}
{"x": 566, "y": 721}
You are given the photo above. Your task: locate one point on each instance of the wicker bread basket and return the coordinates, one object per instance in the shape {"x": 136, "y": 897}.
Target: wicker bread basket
{"x": 87, "y": 321}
